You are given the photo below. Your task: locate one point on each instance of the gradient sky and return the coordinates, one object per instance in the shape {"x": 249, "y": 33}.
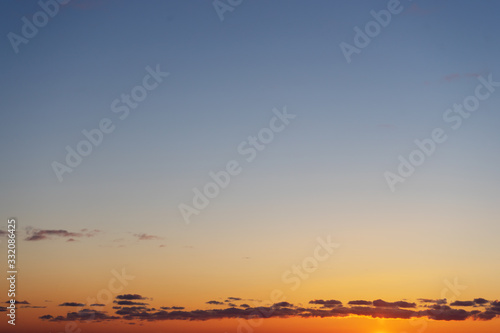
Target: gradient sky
{"x": 322, "y": 176}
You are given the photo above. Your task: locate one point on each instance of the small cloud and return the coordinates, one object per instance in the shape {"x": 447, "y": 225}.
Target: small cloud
{"x": 72, "y": 304}
{"x": 433, "y": 301}
{"x": 463, "y": 303}
{"x": 82, "y": 315}
{"x": 326, "y": 304}
{"x": 172, "y": 308}
{"x": 33, "y": 307}
{"x": 480, "y": 301}
{"x": 40, "y": 234}
{"x": 215, "y": 303}
{"x": 130, "y": 296}
{"x": 131, "y": 310}
{"x": 46, "y": 317}
{"x": 400, "y": 304}
{"x": 129, "y": 303}
{"x": 282, "y": 305}
{"x": 147, "y": 237}
{"x": 360, "y": 302}
{"x": 19, "y": 302}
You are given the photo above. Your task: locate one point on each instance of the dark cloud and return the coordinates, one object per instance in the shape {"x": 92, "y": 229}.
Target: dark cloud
{"x": 172, "y": 308}
{"x": 97, "y": 304}
{"x": 463, "y": 303}
{"x": 433, "y": 301}
{"x": 19, "y": 302}
{"x": 244, "y": 305}
{"x": 46, "y": 317}
{"x": 282, "y": 305}
{"x": 447, "y": 313}
{"x": 495, "y": 309}
{"x": 486, "y": 315}
{"x": 72, "y": 304}
{"x": 39, "y": 234}
{"x": 326, "y": 304}
{"x": 400, "y": 304}
{"x": 33, "y": 307}
{"x": 215, "y": 303}
{"x": 360, "y": 302}
{"x": 85, "y": 314}
{"x": 480, "y": 301}
{"x": 234, "y": 298}
{"x": 129, "y": 303}
{"x": 377, "y": 312}
{"x": 131, "y": 310}
{"x": 130, "y": 296}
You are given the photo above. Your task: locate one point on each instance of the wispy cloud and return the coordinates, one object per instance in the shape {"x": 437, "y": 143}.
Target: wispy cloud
{"x": 19, "y": 302}
{"x": 147, "y": 237}
{"x": 42, "y": 234}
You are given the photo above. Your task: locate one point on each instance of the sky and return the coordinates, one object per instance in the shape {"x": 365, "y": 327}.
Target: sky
{"x": 251, "y": 166}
